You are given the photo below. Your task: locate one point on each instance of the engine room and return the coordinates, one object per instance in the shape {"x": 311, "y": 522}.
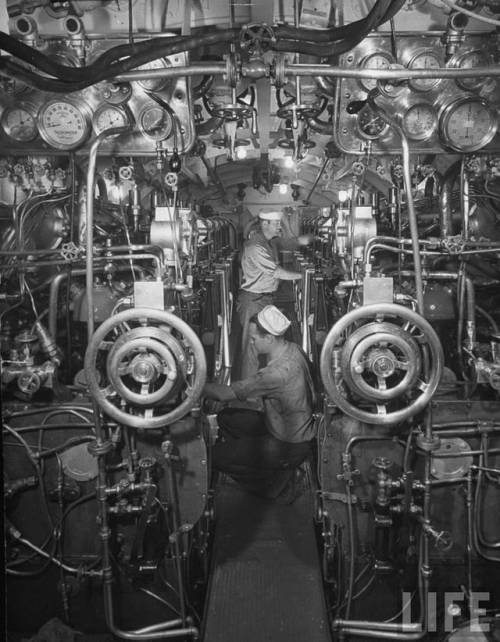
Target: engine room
{"x": 145, "y": 146}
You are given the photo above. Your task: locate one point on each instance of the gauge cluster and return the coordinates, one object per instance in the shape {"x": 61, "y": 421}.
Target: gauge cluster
{"x": 158, "y": 113}
{"x": 436, "y": 114}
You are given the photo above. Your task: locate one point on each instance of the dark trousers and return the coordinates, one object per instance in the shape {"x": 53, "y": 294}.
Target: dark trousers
{"x": 248, "y": 453}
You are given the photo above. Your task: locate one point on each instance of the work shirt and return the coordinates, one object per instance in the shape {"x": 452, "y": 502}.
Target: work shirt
{"x": 287, "y": 391}
{"x": 259, "y": 263}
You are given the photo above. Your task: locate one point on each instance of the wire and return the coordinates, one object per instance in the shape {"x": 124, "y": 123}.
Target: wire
{"x": 471, "y": 14}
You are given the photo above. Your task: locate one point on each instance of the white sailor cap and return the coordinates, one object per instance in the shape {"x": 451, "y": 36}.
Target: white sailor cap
{"x": 273, "y": 320}
{"x": 272, "y": 215}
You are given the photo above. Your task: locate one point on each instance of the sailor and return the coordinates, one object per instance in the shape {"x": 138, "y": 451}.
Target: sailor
{"x": 262, "y": 450}
{"x": 261, "y": 276}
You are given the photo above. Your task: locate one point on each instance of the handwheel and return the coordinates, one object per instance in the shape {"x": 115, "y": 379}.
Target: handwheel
{"x": 151, "y": 358}
{"x": 381, "y": 363}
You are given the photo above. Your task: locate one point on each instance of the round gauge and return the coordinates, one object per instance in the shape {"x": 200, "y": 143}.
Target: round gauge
{"x": 64, "y": 124}
{"x": 153, "y": 84}
{"x": 108, "y": 116}
{"x": 378, "y": 60}
{"x": 19, "y": 123}
{"x": 370, "y": 124}
{"x": 469, "y": 60}
{"x": 155, "y": 122}
{"x": 420, "y": 121}
{"x": 468, "y": 124}
{"x": 424, "y": 59}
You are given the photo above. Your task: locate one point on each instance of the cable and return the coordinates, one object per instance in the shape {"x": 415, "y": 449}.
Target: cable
{"x": 471, "y": 14}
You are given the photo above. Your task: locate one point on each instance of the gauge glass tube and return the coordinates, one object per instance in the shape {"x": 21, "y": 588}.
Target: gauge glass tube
{"x": 468, "y": 124}
{"x": 379, "y": 60}
{"x": 370, "y": 124}
{"x": 107, "y": 117}
{"x": 64, "y": 124}
{"x": 469, "y": 60}
{"x": 155, "y": 122}
{"x": 426, "y": 59}
{"x": 420, "y": 121}
{"x": 19, "y": 123}
{"x": 154, "y": 84}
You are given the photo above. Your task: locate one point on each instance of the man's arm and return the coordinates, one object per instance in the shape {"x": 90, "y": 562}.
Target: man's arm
{"x": 287, "y": 275}
{"x": 218, "y": 391}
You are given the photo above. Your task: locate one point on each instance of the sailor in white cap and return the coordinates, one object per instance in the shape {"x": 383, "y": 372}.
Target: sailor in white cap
{"x": 263, "y": 449}
{"x": 260, "y": 279}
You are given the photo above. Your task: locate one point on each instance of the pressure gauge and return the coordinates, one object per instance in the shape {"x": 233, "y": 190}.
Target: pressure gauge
{"x": 370, "y": 124}
{"x": 469, "y": 60}
{"x": 468, "y": 124}
{"x": 424, "y": 59}
{"x": 154, "y": 84}
{"x": 108, "y": 116}
{"x": 63, "y": 123}
{"x": 419, "y": 121}
{"x": 378, "y": 60}
{"x": 19, "y": 123}
{"x": 155, "y": 122}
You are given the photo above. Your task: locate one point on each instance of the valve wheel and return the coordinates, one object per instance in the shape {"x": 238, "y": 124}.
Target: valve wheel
{"x": 151, "y": 358}
{"x": 383, "y": 357}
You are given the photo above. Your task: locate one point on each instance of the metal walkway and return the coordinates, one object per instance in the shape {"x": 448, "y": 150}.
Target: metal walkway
{"x": 265, "y": 579}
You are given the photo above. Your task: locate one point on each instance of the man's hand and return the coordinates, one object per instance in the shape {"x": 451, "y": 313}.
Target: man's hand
{"x": 218, "y": 391}
{"x": 305, "y": 239}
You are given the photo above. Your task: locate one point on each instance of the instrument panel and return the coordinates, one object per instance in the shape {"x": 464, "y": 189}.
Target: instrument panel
{"x": 436, "y": 114}
{"x": 158, "y": 111}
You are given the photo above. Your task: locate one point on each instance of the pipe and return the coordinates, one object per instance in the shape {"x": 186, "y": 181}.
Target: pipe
{"x": 445, "y": 198}
{"x": 318, "y": 176}
{"x": 214, "y": 68}
{"x": 89, "y": 267}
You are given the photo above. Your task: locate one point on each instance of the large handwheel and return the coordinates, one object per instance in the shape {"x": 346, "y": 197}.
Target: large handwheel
{"x": 152, "y": 358}
{"x": 381, "y": 363}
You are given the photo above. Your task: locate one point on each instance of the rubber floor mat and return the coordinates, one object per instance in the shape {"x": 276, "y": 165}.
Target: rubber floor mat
{"x": 265, "y": 581}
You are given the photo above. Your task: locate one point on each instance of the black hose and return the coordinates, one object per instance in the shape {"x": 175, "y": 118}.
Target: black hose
{"x": 11, "y": 69}
{"x": 382, "y": 11}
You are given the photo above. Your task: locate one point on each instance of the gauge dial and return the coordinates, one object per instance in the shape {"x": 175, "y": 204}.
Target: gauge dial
{"x": 420, "y": 121}
{"x": 19, "y": 123}
{"x": 469, "y": 60}
{"x": 370, "y": 124}
{"x": 64, "y": 124}
{"x": 154, "y": 84}
{"x": 155, "y": 122}
{"x": 379, "y": 60}
{"x": 468, "y": 124}
{"x": 424, "y": 59}
{"x": 109, "y": 116}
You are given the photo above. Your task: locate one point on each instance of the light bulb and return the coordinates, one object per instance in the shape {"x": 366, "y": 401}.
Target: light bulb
{"x": 343, "y": 195}
{"x": 283, "y": 188}
{"x": 241, "y": 153}
{"x": 288, "y": 162}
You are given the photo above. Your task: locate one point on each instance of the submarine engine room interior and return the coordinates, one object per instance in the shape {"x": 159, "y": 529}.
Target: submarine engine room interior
{"x": 140, "y": 140}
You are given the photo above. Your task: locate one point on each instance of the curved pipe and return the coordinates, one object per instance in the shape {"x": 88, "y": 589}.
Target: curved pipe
{"x": 445, "y": 214}
{"x": 209, "y": 126}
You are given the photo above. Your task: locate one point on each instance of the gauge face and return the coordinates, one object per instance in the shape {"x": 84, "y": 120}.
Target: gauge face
{"x": 155, "y": 122}
{"x": 19, "y": 123}
{"x": 154, "y": 84}
{"x": 64, "y": 124}
{"x": 469, "y": 60}
{"x": 425, "y": 59}
{"x": 420, "y": 121}
{"x": 378, "y": 60}
{"x": 468, "y": 124}
{"x": 370, "y": 124}
{"x": 107, "y": 117}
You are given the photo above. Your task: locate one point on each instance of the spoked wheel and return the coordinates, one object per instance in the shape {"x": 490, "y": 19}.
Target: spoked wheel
{"x": 381, "y": 363}
{"x": 152, "y": 360}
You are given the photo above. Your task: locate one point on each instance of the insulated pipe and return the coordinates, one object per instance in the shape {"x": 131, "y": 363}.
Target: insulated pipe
{"x": 89, "y": 268}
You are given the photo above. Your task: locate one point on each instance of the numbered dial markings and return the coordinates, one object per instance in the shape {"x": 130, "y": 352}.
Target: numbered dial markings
{"x": 108, "y": 117}
{"x": 155, "y": 123}
{"x": 19, "y": 123}
{"x": 64, "y": 124}
{"x": 420, "y": 121}
{"x": 468, "y": 124}
{"x": 370, "y": 124}
{"x": 379, "y": 61}
{"x": 424, "y": 60}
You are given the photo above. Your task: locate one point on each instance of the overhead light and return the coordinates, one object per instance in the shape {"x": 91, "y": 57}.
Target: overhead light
{"x": 283, "y": 188}
{"x": 241, "y": 152}
{"x": 343, "y": 195}
{"x": 289, "y": 162}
